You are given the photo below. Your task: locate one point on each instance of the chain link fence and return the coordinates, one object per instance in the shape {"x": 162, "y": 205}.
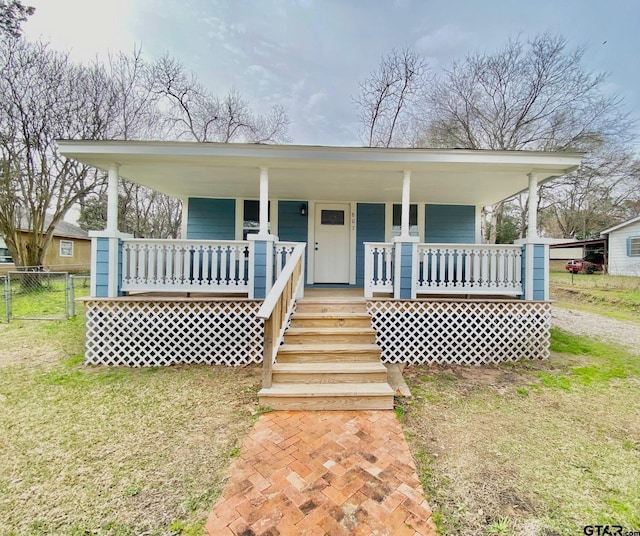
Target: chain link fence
{"x": 41, "y": 295}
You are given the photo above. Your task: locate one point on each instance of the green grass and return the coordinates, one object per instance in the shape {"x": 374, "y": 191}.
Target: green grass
{"x": 48, "y": 301}
{"x": 111, "y": 451}
{"x": 535, "y": 447}
{"x": 614, "y": 296}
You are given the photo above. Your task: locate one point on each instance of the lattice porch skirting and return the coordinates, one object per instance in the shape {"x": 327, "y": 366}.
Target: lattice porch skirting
{"x": 463, "y": 332}
{"x": 142, "y": 333}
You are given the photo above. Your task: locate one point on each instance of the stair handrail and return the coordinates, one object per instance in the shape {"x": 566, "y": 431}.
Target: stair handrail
{"x": 277, "y": 308}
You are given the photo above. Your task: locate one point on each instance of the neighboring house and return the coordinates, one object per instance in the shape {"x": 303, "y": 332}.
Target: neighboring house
{"x": 624, "y": 248}
{"x": 70, "y": 248}
{"x": 396, "y": 231}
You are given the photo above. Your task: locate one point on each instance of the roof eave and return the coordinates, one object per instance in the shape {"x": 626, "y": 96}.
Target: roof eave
{"x": 620, "y": 226}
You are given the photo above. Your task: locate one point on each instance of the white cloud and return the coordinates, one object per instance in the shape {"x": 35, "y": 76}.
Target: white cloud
{"x": 88, "y": 28}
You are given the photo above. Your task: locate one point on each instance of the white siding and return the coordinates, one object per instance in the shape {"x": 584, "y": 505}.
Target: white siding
{"x": 566, "y": 253}
{"x": 619, "y": 262}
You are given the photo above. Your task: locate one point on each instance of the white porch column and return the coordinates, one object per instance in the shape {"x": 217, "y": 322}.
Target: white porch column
{"x": 405, "y": 246}
{"x": 406, "y": 201}
{"x": 112, "y": 199}
{"x": 264, "y": 202}
{"x": 532, "y": 208}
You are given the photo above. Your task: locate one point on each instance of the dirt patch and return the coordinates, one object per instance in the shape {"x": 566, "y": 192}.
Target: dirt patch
{"x": 19, "y": 346}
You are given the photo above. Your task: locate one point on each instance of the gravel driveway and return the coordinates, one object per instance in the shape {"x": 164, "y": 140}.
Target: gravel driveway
{"x": 598, "y": 326}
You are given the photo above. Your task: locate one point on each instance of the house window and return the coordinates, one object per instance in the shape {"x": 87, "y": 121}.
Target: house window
{"x": 397, "y": 219}
{"x": 66, "y": 248}
{"x": 251, "y": 217}
{"x": 634, "y": 246}
{"x": 4, "y": 255}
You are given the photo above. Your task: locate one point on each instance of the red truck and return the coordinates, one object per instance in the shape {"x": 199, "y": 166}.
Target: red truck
{"x": 594, "y": 262}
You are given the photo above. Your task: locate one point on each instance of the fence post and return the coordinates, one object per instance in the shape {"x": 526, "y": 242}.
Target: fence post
{"x": 72, "y": 296}
{"x": 7, "y": 297}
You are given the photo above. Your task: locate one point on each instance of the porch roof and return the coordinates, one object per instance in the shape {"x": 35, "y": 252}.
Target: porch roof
{"x": 299, "y": 172}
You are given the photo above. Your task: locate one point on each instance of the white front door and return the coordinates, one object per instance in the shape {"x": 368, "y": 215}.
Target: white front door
{"x": 332, "y": 243}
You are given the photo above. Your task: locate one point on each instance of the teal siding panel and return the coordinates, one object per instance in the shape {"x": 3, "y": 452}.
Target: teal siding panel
{"x": 455, "y": 224}
{"x": 260, "y": 269}
{"x": 539, "y": 273}
{"x": 369, "y": 228}
{"x": 102, "y": 267}
{"x": 211, "y": 219}
{"x": 406, "y": 270}
{"x": 292, "y": 227}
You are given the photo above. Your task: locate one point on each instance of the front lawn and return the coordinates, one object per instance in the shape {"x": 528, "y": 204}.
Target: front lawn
{"x": 111, "y": 451}
{"x": 533, "y": 448}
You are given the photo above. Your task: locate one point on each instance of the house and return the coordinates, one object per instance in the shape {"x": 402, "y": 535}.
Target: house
{"x": 320, "y": 262}
{"x": 624, "y": 248}
{"x": 70, "y": 248}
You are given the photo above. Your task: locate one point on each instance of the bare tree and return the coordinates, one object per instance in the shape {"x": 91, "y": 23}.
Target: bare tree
{"x": 136, "y": 114}
{"x": 388, "y": 98}
{"x": 197, "y": 114}
{"x": 43, "y": 96}
{"x": 604, "y": 193}
{"x": 534, "y": 96}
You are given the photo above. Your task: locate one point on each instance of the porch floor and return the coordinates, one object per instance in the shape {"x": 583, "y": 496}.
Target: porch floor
{"x": 323, "y": 472}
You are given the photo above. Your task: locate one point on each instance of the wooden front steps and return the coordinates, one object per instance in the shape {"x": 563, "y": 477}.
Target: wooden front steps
{"x": 329, "y": 360}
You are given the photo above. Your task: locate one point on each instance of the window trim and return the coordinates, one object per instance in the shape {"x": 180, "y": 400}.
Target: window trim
{"x": 414, "y": 228}
{"x": 630, "y": 252}
{"x": 246, "y": 230}
{"x": 60, "y": 253}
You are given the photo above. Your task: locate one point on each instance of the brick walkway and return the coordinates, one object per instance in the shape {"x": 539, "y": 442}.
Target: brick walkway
{"x": 323, "y": 472}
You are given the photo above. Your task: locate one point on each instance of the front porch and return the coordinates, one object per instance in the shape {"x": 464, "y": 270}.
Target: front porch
{"x": 262, "y": 223}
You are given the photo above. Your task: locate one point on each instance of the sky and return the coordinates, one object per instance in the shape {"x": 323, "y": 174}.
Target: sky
{"x": 310, "y": 55}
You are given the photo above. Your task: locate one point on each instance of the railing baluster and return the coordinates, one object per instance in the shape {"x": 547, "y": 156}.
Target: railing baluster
{"x": 169, "y": 256}
{"x": 141, "y": 275}
{"x": 501, "y": 259}
{"x": 441, "y": 266}
{"x": 459, "y": 279}
{"x": 233, "y": 269}
{"x": 379, "y": 274}
{"x": 467, "y": 268}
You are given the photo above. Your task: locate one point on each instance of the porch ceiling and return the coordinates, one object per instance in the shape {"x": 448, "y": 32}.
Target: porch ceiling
{"x": 188, "y": 169}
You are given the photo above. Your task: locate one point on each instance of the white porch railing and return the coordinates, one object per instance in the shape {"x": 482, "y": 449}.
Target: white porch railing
{"x": 448, "y": 269}
{"x": 185, "y": 266}
{"x": 283, "y": 251}
{"x": 378, "y": 268}
{"x": 469, "y": 269}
